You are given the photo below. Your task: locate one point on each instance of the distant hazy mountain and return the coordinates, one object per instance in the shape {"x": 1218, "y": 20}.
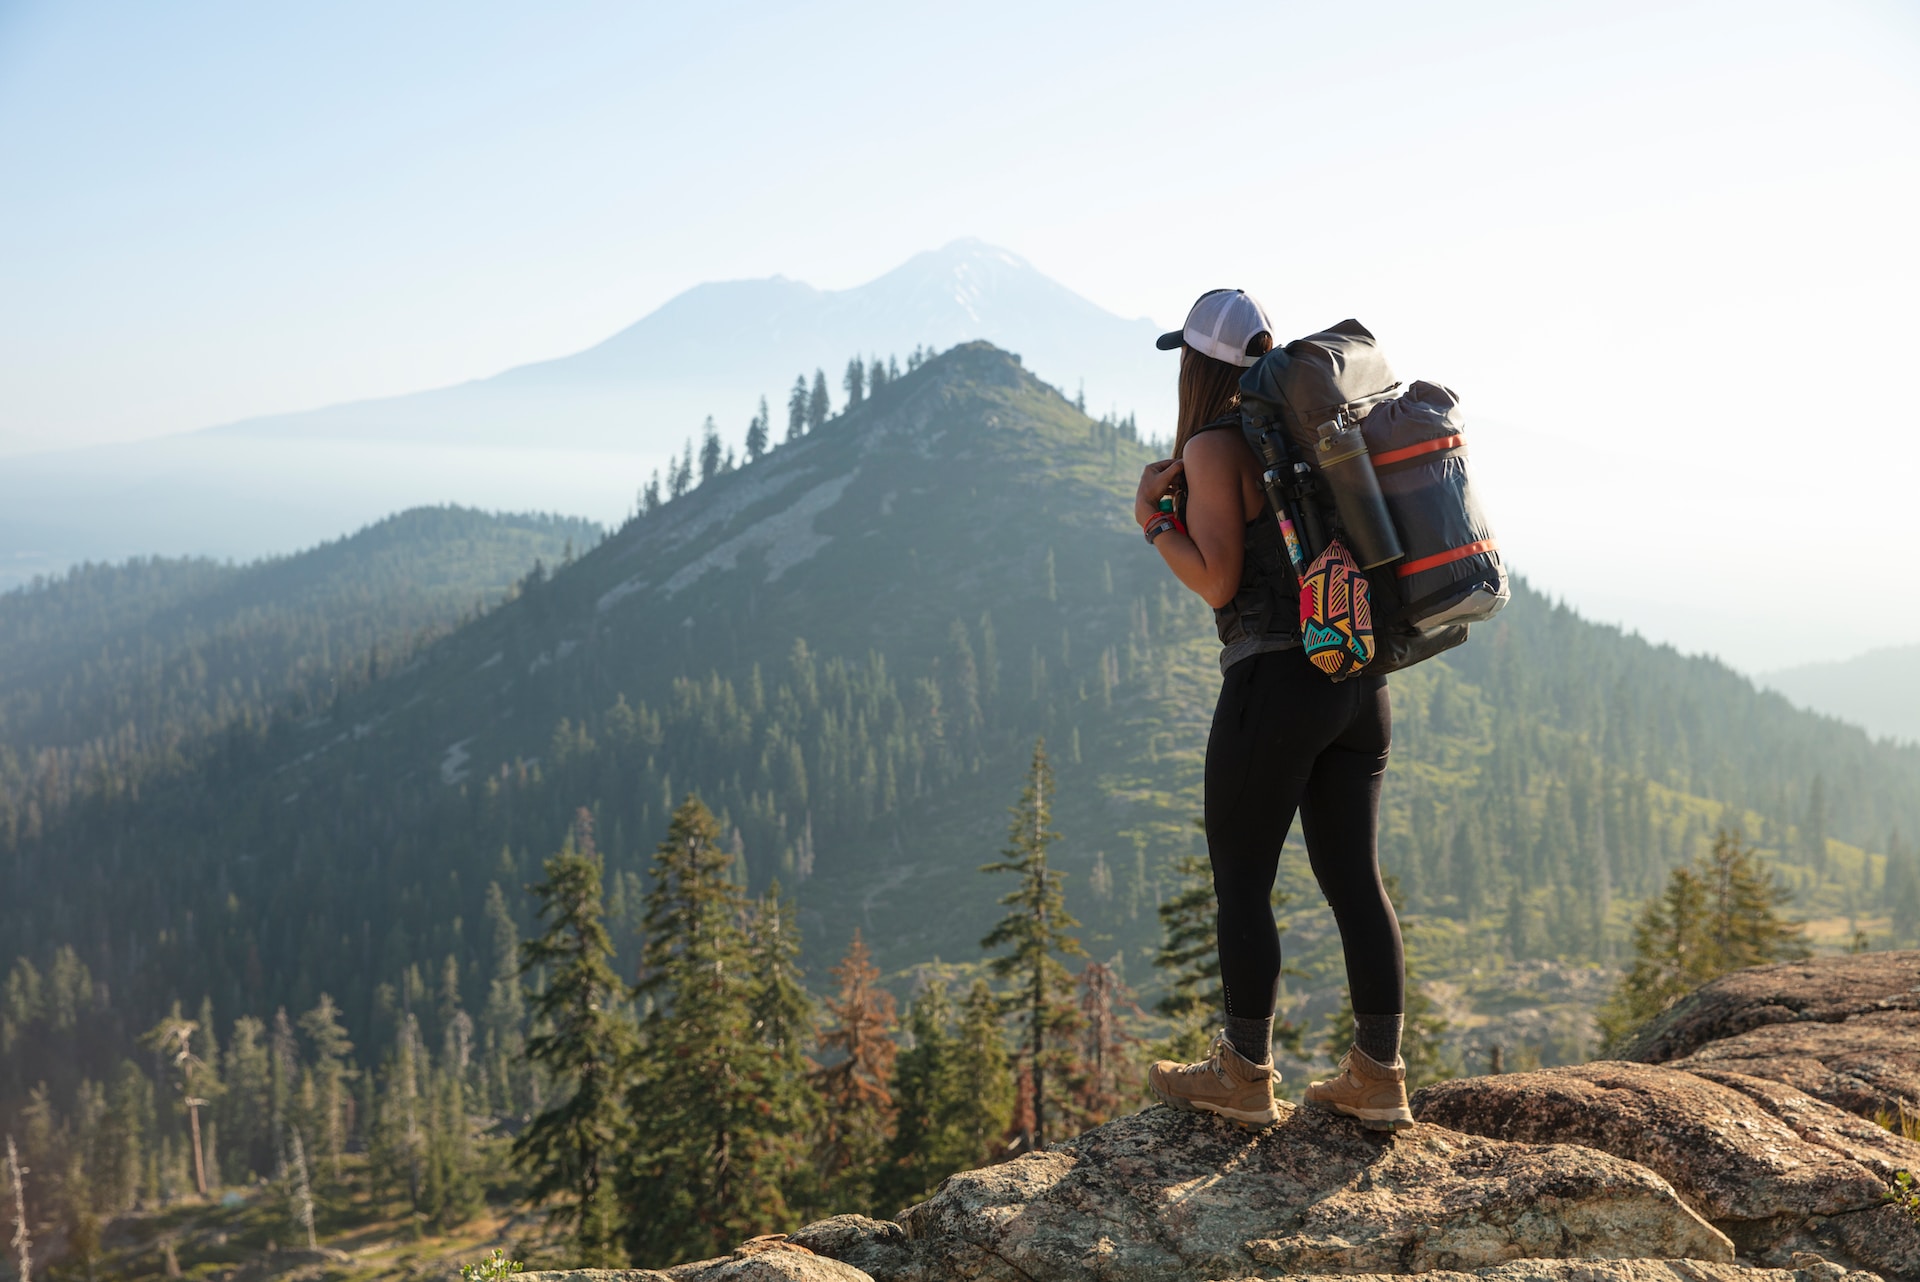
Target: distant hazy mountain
{"x": 718, "y": 347}
{"x": 579, "y": 434}
{"x": 1879, "y": 690}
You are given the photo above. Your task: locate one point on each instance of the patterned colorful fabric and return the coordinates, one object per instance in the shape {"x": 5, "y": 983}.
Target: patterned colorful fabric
{"x": 1336, "y": 614}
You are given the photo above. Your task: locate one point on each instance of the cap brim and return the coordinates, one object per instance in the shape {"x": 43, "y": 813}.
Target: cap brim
{"x": 1167, "y": 342}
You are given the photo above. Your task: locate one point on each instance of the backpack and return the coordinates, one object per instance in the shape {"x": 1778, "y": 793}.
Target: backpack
{"x": 1451, "y": 575}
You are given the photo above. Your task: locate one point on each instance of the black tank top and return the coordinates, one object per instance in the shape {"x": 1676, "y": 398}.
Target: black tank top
{"x": 1264, "y": 614}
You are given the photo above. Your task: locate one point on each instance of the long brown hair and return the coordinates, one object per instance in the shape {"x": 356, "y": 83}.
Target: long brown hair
{"x": 1208, "y": 389}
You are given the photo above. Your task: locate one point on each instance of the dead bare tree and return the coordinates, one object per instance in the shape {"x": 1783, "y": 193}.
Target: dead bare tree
{"x": 22, "y": 1239}
{"x": 302, "y": 1194}
{"x": 172, "y": 1038}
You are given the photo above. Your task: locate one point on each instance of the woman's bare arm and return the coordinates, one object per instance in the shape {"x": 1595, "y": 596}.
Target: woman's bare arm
{"x": 1207, "y": 557}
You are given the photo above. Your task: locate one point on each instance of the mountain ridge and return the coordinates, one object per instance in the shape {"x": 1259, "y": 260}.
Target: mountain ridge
{"x": 1879, "y": 690}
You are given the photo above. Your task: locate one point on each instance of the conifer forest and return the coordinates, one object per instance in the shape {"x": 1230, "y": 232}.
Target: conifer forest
{"x": 827, "y": 828}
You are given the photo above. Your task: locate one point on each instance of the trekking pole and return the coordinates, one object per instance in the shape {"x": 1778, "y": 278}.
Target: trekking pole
{"x": 1289, "y": 485}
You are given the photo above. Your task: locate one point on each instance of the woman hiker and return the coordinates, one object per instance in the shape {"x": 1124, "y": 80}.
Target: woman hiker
{"x": 1285, "y": 738}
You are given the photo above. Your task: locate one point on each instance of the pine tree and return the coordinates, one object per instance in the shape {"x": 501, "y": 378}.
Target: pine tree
{"x": 709, "y": 451}
{"x": 818, "y": 405}
{"x": 1902, "y": 890}
{"x": 1813, "y": 827}
{"x": 876, "y": 375}
{"x": 1516, "y": 929}
{"x": 984, "y": 1108}
{"x": 927, "y": 1144}
{"x": 583, "y": 1040}
{"x": 1190, "y": 955}
{"x": 758, "y": 433}
{"x": 1743, "y": 904}
{"x": 781, "y": 1014}
{"x": 858, "y": 1107}
{"x": 1721, "y": 914}
{"x": 1036, "y": 929}
{"x": 1107, "y": 1081}
{"x": 331, "y": 1048}
{"x": 1468, "y": 867}
{"x": 797, "y": 409}
{"x": 124, "y": 1133}
{"x": 503, "y": 1022}
{"x": 453, "y": 1179}
{"x": 396, "y": 1138}
{"x": 680, "y": 478}
{"x": 855, "y": 382}
{"x": 246, "y": 1110}
{"x": 705, "y": 1162}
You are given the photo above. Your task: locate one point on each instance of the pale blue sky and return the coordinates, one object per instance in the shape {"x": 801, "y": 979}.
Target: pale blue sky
{"x": 213, "y": 210}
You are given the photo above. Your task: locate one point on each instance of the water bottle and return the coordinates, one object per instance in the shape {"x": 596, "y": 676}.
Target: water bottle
{"x": 1341, "y": 456}
{"x": 1280, "y": 482}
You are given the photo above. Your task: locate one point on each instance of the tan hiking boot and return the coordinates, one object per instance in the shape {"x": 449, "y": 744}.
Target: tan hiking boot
{"x": 1367, "y": 1089}
{"x": 1226, "y": 1082}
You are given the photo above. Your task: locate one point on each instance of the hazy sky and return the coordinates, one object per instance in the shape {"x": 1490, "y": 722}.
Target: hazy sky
{"x": 1666, "y": 243}
{"x": 217, "y": 210}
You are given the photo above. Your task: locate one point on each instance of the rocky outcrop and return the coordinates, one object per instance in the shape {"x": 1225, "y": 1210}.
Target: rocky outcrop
{"x": 1808, "y": 1269}
{"x": 1740, "y": 1118}
{"x": 1773, "y": 1168}
{"x": 1842, "y": 1029}
{"x": 773, "y": 1258}
{"x": 1163, "y": 1196}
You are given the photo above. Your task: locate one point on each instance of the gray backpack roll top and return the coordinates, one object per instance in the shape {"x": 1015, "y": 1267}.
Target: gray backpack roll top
{"x": 1311, "y": 409}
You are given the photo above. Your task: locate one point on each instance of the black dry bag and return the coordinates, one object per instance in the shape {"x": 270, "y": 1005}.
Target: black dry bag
{"x": 1449, "y": 574}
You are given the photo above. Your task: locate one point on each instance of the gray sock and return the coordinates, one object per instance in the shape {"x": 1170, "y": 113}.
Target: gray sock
{"x": 1378, "y": 1036}
{"x": 1253, "y": 1038}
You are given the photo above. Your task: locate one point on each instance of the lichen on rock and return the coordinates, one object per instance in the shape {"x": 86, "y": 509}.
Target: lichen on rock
{"x": 1770, "y": 1166}
{"x": 1164, "y": 1196}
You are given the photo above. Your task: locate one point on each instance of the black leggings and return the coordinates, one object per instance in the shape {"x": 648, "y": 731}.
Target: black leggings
{"x": 1286, "y": 738}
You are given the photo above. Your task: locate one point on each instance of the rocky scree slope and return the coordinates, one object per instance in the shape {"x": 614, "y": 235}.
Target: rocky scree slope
{"x": 1610, "y": 1170}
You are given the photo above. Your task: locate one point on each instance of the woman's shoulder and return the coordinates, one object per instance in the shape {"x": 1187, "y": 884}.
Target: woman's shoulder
{"x": 1209, "y": 442}
{"x": 1228, "y": 423}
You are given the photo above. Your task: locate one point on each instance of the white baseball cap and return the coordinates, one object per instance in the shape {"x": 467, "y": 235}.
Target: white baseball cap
{"x": 1223, "y": 324}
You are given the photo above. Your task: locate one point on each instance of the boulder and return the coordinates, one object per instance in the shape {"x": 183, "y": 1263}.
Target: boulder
{"x": 1773, "y": 1168}
{"x": 1819, "y": 1122}
{"x": 1808, "y": 1269}
{"x": 772, "y": 1258}
{"x": 1163, "y": 1195}
{"x": 1868, "y": 1064}
{"x": 867, "y": 1244}
{"x": 1843, "y": 1029}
